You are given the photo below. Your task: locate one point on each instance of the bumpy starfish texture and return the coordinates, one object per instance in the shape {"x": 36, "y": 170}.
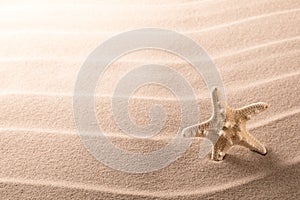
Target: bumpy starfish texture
{"x": 227, "y": 127}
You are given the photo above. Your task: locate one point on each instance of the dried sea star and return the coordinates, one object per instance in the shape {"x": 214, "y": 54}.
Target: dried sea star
{"x": 227, "y": 127}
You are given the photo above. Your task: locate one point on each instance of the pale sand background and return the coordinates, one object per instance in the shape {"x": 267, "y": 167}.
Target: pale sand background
{"x": 254, "y": 44}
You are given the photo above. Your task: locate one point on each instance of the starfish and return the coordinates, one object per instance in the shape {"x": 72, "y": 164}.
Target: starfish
{"x": 227, "y": 127}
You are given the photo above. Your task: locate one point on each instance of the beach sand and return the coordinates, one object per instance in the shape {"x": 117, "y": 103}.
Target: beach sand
{"x": 255, "y": 45}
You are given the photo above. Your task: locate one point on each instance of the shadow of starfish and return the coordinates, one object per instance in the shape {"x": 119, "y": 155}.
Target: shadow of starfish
{"x": 272, "y": 162}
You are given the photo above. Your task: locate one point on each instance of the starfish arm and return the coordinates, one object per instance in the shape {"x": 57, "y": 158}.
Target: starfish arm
{"x": 227, "y": 135}
{"x": 198, "y": 130}
{"x": 252, "y": 109}
{"x": 220, "y": 149}
{"x": 253, "y": 144}
{"x": 218, "y": 109}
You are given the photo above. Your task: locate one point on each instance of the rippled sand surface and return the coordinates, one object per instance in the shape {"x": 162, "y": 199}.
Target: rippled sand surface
{"x": 254, "y": 44}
